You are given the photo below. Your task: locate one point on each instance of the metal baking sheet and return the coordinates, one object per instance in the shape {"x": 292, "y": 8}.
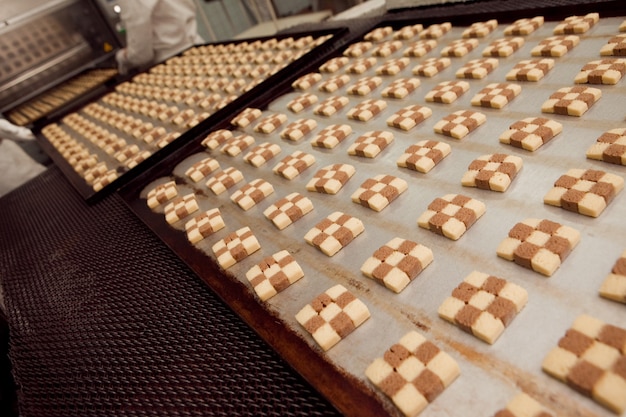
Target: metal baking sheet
{"x": 177, "y": 69}
{"x": 490, "y": 374}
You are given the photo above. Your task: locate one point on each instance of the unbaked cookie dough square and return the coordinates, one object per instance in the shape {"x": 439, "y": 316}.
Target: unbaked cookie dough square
{"x": 252, "y": 193}
{"x": 616, "y": 46}
{"x": 397, "y": 263}
{"x": 418, "y": 49}
{"x": 555, "y": 46}
{"x": 331, "y": 105}
{"x": 451, "y": 215}
{"x": 370, "y": 144}
{"x": 387, "y": 48}
{"x": 331, "y": 136}
{"x": 246, "y": 117}
{"x": 302, "y": 102}
{"x": 602, "y": 71}
{"x": 332, "y": 316}
{"x": 409, "y": 117}
{"x": 262, "y": 153}
{"x": 540, "y": 245}
{"x": 408, "y": 32}
{"x": 424, "y": 155}
{"x": 274, "y": 274}
{"x": 459, "y": 47}
{"x": 531, "y": 133}
{"x": 614, "y": 285}
{"x": 590, "y": 359}
{"x": 270, "y": 123}
{"x": 413, "y": 373}
{"x": 378, "y": 34}
{"x": 217, "y": 138}
{"x": 447, "y": 91}
{"x": 480, "y": 29}
{"x": 357, "y": 49}
{"x": 431, "y": 67}
{"x": 483, "y": 305}
{"x": 334, "y": 83}
{"x": 307, "y": 81}
{"x": 223, "y": 180}
{"x": 331, "y": 179}
{"x": 334, "y": 233}
{"x": 436, "y": 30}
{"x": 161, "y": 194}
{"x": 180, "y": 208}
{"x": 572, "y": 101}
{"x": 477, "y": 68}
{"x": 576, "y": 24}
{"x": 503, "y": 47}
{"x": 393, "y": 66}
{"x": 237, "y": 144}
{"x": 367, "y": 109}
{"x": 401, "y": 87}
{"x": 610, "y": 147}
{"x": 493, "y": 172}
{"x": 288, "y": 210}
{"x": 460, "y": 123}
{"x": 201, "y": 169}
{"x": 204, "y": 225}
{"x": 584, "y": 191}
{"x": 378, "y": 192}
{"x": 530, "y": 69}
{"x": 361, "y": 65}
{"x": 298, "y": 129}
{"x": 235, "y": 247}
{"x": 524, "y": 26}
{"x": 293, "y": 165}
{"x": 523, "y": 405}
{"x": 334, "y": 64}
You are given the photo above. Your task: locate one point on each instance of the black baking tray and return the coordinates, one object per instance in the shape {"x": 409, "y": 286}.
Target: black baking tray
{"x": 284, "y": 76}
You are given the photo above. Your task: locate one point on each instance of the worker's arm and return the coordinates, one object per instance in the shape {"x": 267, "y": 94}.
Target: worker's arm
{"x": 136, "y": 17}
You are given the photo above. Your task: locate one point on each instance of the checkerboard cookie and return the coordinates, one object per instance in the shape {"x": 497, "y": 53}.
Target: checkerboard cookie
{"x": 614, "y": 285}
{"x": 397, "y": 263}
{"x": 367, "y": 109}
{"x": 503, "y": 47}
{"x": 524, "y": 26}
{"x": 180, "y": 208}
{"x": 460, "y": 123}
{"x": 577, "y": 24}
{"x": 616, "y": 46}
{"x": 302, "y": 102}
{"x": 572, "y": 101}
{"x": 334, "y": 232}
{"x": 459, "y": 47}
{"x": 413, "y": 372}
{"x": 334, "y": 64}
{"x": 106, "y": 179}
{"x": 331, "y": 106}
{"x": 237, "y": 144}
{"x": 584, "y": 191}
{"x": 331, "y": 136}
{"x": 602, "y": 71}
{"x": 223, "y": 180}
{"x": 401, "y": 87}
{"x": 435, "y": 31}
{"x": 590, "y": 358}
{"x": 288, "y": 210}
{"x": 162, "y": 143}
{"x": 274, "y": 274}
{"x": 531, "y": 133}
{"x": 357, "y": 49}
{"x": 201, "y": 169}
{"x": 408, "y": 32}
{"x": 451, "y": 215}
{"x": 555, "y": 46}
{"x": 477, "y": 68}
{"x": 361, "y": 65}
{"x": 307, "y": 81}
{"x": 162, "y": 193}
{"x": 493, "y": 172}
{"x": 332, "y": 316}
{"x": 246, "y": 117}
{"x": 523, "y": 405}
{"x": 496, "y": 95}
{"x": 252, "y": 193}
{"x": 331, "y": 178}
{"x": 261, "y": 154}
{"x": 293, "y": 165}
{"x": 409, "y": 117}
{"x": 393, "y": 66}
{"x": 480, "y": 29}
{"x": 387, "y": 48}
{"x": 431, "y": 67}
{"x": 447, "y": 91}
{"x": 298, "y": 129}
{"x": 483, "y": 305}
{"x": 610, "y": 147}
{"x": 424, "y": 155}
{"x": 378, "y": 34}
{"x": 335, "y": 83}
{"x": 215, "y": 139}
{"x": 530, "y": 69}
{"x": 204, "y": 225}
{"x": 370, "y": 144}
{"x": 540, "y": 245}
{"x": 364, "y": 86}
{"x": 420, "y": 48}
{"x": 235, "y": 247}
{"x": 270, "y": 123}
{"x": 378, "y": 192}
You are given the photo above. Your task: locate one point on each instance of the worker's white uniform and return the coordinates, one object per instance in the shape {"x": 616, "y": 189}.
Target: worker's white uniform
{"x": 156, "y": 30}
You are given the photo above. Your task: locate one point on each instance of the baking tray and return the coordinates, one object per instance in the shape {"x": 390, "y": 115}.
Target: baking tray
{"x": 197, "y": 62}
{"x": 490, "y": 374}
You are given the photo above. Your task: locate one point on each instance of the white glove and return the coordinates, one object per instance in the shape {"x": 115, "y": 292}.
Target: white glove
{"x": 10, "y": 131}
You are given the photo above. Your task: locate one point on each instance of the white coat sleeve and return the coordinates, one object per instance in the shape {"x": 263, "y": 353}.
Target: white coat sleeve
{"x": 136, "y": 17}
